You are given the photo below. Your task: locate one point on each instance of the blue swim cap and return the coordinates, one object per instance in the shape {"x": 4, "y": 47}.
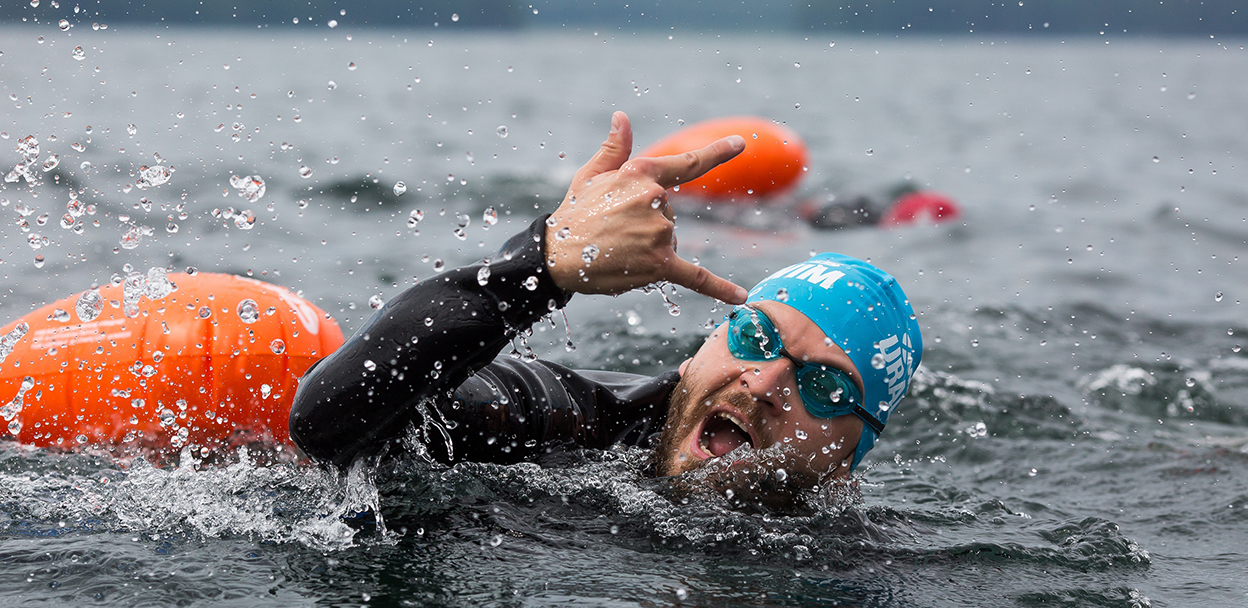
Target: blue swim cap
{"x": 864, "y": 311}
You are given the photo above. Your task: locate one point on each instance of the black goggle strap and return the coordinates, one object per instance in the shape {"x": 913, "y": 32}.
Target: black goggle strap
{"x": 869, "y": 420}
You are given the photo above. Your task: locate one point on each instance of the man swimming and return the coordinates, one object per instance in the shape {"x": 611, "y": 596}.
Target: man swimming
{"x": 812, "y": 360}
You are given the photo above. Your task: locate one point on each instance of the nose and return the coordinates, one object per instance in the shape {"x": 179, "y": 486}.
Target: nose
{"x": 769, "y": 381}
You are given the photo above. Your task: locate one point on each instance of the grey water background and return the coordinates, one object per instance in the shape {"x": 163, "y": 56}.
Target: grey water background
{"x": 1079, "y": 435}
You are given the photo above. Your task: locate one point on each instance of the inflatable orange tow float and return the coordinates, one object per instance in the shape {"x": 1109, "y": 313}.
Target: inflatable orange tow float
{"x": 149, "y": 366}
{"x": 771, "y": 164}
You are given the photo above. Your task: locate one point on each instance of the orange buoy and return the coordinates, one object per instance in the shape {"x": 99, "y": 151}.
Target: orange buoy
{"x": 150, "y": 366}
{"x": 771, "y": 164}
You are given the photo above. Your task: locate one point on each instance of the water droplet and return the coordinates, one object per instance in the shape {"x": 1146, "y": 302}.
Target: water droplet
{"x": 483, "y": 276}
{"x": 369, "y": 365}
{"x": 531, "y": 283}
{"x": 1190, "y": 382}
{"x": 332, "y": 85}
{"x": 333, "y": 23}
{"x": 1032, "y": 473}
{"x": 89, "y": 305}
{"x": 245, "y": 219}
{"x": 250, "y": 187}
{"x": 438, "y": 265}
{"x": 563, "y": 233}
{"x": 150, "y": 177}
{"x": 400, "y": 188}
{"x": 351, "y": 66}
{"x": 63, "y": 24}
{"x": 132, "y": 130}
{"x": 277, "y": 346}
{"x": 1217, "y": 297}
{"x": 975, "y": 343}
{"x": 204, "y": 312}
{"x": 157, "y": 284}
{"x": 589, "y": 254}
{"x": 782, "y": 295}
{"x": 132, "y": 237}
{"x": 1156, "y": 160}
{"x": 376, "y": 302}
{"x": 681, "y": 594}
{"x": 51, "y": 162}
{"x": 28, "y": 147}
{"x": 870, "y": 151}
{"x": 78, "y": 53}
{"x": 501, "y": 131}
{"x": 489, "y": 216}
{"x": 248, "y": 311}
{"x": 878, "y": 361}
{"x": 305, "y": 172}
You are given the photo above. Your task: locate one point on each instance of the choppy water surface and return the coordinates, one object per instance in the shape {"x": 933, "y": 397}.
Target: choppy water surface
{"x": 1079, "y": 435}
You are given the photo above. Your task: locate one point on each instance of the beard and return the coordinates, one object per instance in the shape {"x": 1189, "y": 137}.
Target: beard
{"x": 688, "y": 406}
{"x": 746, "y": 477}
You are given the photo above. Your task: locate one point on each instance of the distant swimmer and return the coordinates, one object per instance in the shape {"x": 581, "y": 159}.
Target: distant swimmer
{"x": 768, "y": 171}
{"x": 812, "y": 361}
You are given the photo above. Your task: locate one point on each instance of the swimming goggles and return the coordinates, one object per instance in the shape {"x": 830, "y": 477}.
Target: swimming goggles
{"x": 826, "y": 392}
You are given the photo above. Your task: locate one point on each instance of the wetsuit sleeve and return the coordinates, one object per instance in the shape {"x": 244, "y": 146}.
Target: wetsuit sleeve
{"x": 423, "y": 362}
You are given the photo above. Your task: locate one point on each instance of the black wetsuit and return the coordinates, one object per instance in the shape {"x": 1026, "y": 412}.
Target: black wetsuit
{"x": 433, "y": 349}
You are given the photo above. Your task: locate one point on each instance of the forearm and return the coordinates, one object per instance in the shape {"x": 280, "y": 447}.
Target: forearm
{"x": 418, "y": 348}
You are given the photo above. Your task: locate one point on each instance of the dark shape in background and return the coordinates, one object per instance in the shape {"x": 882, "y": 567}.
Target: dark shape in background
{"x": 891, "y": 17}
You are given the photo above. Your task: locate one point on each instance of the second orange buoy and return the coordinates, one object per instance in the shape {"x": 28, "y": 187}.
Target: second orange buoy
{"x": 771, "y": 164}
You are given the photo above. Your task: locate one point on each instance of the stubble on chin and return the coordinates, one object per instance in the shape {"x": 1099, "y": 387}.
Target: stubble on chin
{"x": 687, "y": 406}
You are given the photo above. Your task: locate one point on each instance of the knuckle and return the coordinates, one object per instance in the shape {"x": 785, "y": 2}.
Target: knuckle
{"x": 636, "y": 166}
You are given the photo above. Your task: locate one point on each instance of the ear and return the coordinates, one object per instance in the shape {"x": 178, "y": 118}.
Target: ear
{"x": 683, "y": 364}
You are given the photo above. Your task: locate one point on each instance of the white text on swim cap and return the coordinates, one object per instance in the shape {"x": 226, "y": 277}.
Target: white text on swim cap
{"x": 814, "y": 272}
{"x": 899, "y": 361}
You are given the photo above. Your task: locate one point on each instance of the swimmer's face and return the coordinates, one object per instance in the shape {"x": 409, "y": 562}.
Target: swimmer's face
{"x": 723, "y": 402}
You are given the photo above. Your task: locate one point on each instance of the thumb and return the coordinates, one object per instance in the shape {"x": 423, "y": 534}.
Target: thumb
{"x": 705, "y": 282}
{"x": 613, "y": 153}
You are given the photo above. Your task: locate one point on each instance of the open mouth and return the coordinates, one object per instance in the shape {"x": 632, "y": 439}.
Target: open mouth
{"x": 722, "y": 432}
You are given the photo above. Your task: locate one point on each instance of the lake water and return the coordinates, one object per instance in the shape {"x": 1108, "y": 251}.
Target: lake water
{"x": 1079, "y": 436}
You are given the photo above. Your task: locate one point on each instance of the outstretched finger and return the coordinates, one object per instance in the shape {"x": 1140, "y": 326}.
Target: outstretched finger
{"x": 704, "y": 282}
{"x": 613, "y": 152}
{"x": 674, "y": 170}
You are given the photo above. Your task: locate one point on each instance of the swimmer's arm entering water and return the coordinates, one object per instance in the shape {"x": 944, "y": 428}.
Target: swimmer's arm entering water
{"x": 418, "y": 353}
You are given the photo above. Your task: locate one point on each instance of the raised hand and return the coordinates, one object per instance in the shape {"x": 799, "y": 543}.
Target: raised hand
{"x": 614, "y": 230}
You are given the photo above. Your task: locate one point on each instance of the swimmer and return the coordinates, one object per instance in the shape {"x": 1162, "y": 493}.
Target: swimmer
{"x": 812, "y": 360}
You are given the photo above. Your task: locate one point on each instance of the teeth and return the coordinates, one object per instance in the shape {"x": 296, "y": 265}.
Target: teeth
{"x": 734, "y": 420}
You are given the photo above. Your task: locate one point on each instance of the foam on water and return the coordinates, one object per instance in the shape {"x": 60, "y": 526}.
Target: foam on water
{"x": 281, "y": 502}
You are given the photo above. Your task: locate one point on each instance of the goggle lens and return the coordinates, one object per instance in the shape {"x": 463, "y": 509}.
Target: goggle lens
{"x": 826, "y": 392}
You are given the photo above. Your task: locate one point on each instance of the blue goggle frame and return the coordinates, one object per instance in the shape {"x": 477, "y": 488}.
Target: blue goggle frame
{"x": 826, "y": 392}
